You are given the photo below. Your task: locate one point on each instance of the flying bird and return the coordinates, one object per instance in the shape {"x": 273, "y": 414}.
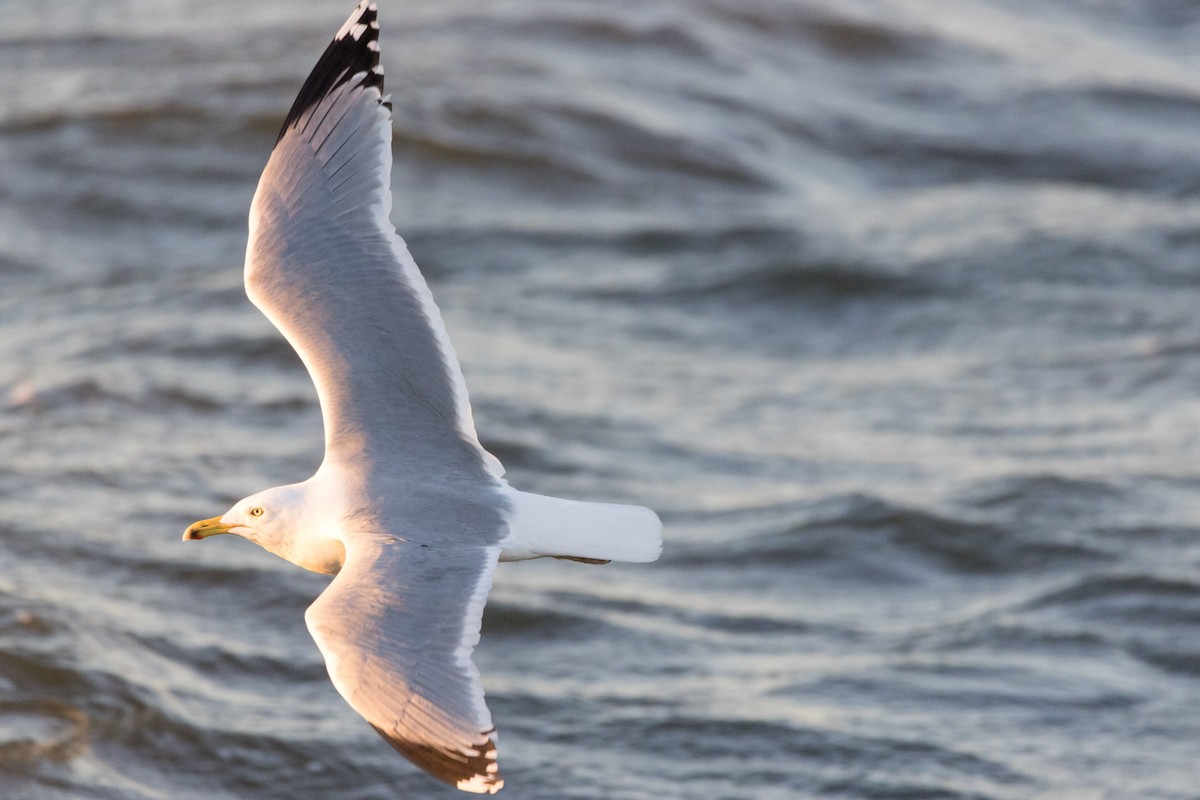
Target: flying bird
{"x": 407, "y": 510}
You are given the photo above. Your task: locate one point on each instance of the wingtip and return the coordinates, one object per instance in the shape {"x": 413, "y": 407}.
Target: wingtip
{"x": 475, "y": 771}
{"x": 353, "y": 51}
{"x": 364, "y": 17}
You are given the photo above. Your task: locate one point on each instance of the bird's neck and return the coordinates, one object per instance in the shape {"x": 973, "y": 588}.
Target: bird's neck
{"x": 312, "y": 539}
{"x": 324, "y": 554}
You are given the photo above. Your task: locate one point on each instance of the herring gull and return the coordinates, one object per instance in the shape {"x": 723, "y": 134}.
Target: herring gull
{"x": 407, "y": 509}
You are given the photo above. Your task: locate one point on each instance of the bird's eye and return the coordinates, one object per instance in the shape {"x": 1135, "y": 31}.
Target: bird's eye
{"x": 256, "y": 511}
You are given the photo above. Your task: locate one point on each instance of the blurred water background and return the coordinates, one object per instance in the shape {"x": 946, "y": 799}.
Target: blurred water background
{"x": 888, "y": 306}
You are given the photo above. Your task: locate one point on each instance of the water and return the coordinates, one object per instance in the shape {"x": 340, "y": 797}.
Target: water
{"x": 887, "y": 307}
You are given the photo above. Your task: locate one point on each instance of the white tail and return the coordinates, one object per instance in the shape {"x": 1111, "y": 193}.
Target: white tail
{"x": 576, "y": 529}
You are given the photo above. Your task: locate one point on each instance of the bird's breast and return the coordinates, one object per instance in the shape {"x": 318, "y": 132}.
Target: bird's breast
{"x": 324, "y": 555}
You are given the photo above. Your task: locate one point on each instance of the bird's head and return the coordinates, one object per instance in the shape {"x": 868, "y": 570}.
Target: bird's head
{"x": 265, "y": 518}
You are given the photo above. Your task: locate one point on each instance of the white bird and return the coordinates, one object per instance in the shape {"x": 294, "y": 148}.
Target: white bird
{"x": 407, "y": 509}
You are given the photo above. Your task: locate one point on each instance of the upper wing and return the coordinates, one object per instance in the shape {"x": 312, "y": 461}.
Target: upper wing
{"x": 325, "y": 264}
{"x": 397, "y": 627}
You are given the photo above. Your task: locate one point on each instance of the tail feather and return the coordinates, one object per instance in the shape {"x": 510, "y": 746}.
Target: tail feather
{"x": 580, "y": 530}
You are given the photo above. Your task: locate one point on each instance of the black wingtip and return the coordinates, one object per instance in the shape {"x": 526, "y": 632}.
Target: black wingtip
{"x": 477, "y": 773}
{"x": 353, "y": 51}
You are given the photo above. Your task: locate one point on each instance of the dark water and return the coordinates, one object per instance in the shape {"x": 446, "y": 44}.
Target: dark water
{"x": 889, "y": 308}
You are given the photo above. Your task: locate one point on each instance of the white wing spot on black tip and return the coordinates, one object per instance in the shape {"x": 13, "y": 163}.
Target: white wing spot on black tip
{"x": 374, "y": 78}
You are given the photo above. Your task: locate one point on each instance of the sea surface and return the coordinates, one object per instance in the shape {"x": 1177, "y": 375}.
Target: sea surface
{"x": 890, "y": 308}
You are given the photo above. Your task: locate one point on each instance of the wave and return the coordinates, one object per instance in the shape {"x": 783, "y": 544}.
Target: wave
{"x": 1169, "y": 657}
{"x": 222, "y": 664}
{"x": 1145, "y": 615}
{"x": 1137, "y": 599}
{"x": 779, "y": 752}
{"x": 751, "y": 263}
{"x": 1037, "y": 492}
{"x": 841, "y": 36}
{"x": 454, "y": 150}
{"x": 873, "y": 537}
{"x": 505, "y": 620}
{"x": 644, "y": 153}
{"x": 626, "y": 33}
{"x": 1146, "y": 586}
{"x": 69, "y": 395}
{"x": 37, "y": 730}
{"x": 787, "y": 281}
{"x": 266, "y": 349}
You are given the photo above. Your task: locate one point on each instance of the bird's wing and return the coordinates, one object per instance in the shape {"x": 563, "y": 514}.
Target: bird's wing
{"x": 326, "y": 266}
{"x": 397, "y": 627}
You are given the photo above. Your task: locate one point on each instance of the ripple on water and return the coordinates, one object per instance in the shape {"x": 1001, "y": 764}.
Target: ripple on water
{"x": 813, "y": 758}
{"x": 1128, "y": 598}
{"x": 1149, "y": 616}
{"x": 43, "y": 729}
{"x": 871, "y": 535}
{"x": 503, "y": 620}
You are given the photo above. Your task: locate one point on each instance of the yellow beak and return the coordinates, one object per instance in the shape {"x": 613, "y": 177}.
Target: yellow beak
{"x": 205, "y": 528}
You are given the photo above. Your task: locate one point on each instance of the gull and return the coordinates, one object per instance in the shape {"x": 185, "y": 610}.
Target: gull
{"x": 407, "y": 510}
